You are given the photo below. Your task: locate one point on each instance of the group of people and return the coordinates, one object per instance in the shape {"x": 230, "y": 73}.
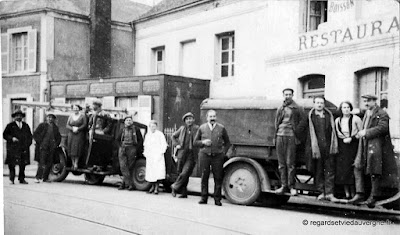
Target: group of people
{"x": 19, "y": 138}
{"x": 340, "y": 152}
{"x": 209, "y": 141}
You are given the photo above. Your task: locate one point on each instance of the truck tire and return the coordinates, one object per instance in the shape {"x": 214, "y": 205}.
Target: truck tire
{"x": 93, "y": 179}
{"x": 58, "y": 170}
{"x": 241, "y": 184}
{"x": 139, "y": 172}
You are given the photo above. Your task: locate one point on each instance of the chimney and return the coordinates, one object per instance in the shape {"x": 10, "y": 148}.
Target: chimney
{"x": 100, "y": 38}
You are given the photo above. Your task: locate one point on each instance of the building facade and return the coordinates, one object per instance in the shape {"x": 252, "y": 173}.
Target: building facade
{"x": 337, "y": 48}
{"x": 45, "y": 41}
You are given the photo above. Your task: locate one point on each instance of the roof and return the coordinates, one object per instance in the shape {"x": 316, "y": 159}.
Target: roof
{"x": 168, "y": 5}
{"x": 122, "y": 10}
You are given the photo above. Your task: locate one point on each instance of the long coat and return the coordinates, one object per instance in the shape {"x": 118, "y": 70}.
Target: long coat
{"x": 303, "y": 132}
{"x": 39, "y": 134}
{"x": 376, "y": 149}
{"x": 18, "y": 152}
{"x": 155, "y": 146}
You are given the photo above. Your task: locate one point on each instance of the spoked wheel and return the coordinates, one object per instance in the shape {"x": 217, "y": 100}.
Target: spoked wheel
{"x": 93, "y": 179}
{"x": 58, "y": 170}
{"x": 139, "y": 173}
{"x": 241, "y": 184}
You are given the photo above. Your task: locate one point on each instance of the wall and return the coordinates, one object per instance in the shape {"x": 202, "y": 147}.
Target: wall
{"x": 121, "y": 52}
{"x": 71, "y": 51}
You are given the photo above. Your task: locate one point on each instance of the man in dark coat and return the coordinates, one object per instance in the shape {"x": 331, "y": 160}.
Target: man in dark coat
{"x": 19, "y": 137}
{"x": 48, "y": 138}
{"x": 321, "y": 147}
{"x": 183, "y": 140}
{"x": 213, "y": 140}
{"x": 287, "y": 118}
{"x": 375, "y": 150}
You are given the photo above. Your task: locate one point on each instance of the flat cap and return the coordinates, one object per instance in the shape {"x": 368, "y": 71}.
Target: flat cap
{"x": 369, "y": 96}
{"x": 98, "y": 102}
{"x": 128, "y": 116}
{"x": 51, "y": 115}
{"x": 288, "y": 89}
{"x": 189, "y": 114}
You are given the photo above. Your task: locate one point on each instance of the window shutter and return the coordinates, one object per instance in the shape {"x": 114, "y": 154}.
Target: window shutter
{"x": 4, "y": 53}
{"x": 32, "y": 50}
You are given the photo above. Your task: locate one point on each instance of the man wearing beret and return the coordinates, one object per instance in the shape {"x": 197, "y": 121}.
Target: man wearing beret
{"x": 131, "y": 141}
{"x": 213, "y": 140}
{"x": 374, "y": 151}
{"x": 19, "y": 137}
{"x": 183, "y": 140}
{"x": 48, "y": 138}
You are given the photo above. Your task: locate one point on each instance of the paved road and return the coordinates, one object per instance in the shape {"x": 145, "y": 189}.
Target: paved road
{"x": 74, "y": 208}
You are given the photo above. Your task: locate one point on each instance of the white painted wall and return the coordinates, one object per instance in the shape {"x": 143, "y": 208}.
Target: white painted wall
{"x": 267, "y": 52}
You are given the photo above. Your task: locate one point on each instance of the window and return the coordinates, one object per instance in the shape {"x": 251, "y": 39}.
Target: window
{"x": 226, "y": 55}
{"x": 126, "y": 102}
{"x": 374, "y": 81}
{"x": 159, "y": 59}
{"x": 18, "y": 50}
{"x": 316, "y": 14}
{"x": 313, "y": 85}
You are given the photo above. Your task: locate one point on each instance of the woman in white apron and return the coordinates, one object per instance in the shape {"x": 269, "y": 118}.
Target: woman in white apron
{"x": 155, "y": 146}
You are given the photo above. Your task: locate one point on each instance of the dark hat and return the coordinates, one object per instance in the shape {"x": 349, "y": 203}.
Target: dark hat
{"x": 51, "y": 115}
{"x": 189, "y": 114}
{"x": 18, "y": 112}
{"x": 369, "y": 96}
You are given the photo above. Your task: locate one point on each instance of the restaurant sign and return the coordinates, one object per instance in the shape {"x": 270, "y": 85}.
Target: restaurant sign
{"x": 349, "y": 34}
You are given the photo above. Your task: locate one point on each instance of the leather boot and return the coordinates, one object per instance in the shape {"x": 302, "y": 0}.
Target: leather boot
{"x": 357, "y": 199}
{"x": 370, "y": 202}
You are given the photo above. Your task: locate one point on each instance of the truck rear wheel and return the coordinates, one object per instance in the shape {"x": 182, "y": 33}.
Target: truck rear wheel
{"x": 93, "y": 179}
{"x": 58, "y": 170}
{"x": 139, "y": 173}
{"x": 241, "y": 184}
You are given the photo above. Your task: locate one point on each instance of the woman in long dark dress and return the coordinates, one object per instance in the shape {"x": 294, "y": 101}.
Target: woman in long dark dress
{"x": 347, "y": 126}
{"x": 76, "y": 125}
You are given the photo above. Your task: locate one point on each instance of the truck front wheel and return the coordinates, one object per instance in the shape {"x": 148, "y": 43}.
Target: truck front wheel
{"x": 139, "y": 173}
{"x": 241, "y": 184}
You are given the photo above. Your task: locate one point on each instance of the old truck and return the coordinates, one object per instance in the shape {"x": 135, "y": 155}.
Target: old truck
{"x": 251, "y": 170}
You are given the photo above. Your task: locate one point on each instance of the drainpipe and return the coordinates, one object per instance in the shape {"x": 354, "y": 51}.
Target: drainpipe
{"x": 133, "y": 48}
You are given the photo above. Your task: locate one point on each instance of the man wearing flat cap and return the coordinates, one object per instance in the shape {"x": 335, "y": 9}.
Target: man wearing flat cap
{"x": 183, "y": 140}
{"x": 19, "y": 137}
{"x": 375, "y": 150}
{"x": 287, "y": 118}
{"x": 47, "y": 138}
{"x": 131, "y": 142}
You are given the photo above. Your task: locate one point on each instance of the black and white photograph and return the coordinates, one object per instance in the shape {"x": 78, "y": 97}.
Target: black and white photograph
{"x": 200, "y": 117}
